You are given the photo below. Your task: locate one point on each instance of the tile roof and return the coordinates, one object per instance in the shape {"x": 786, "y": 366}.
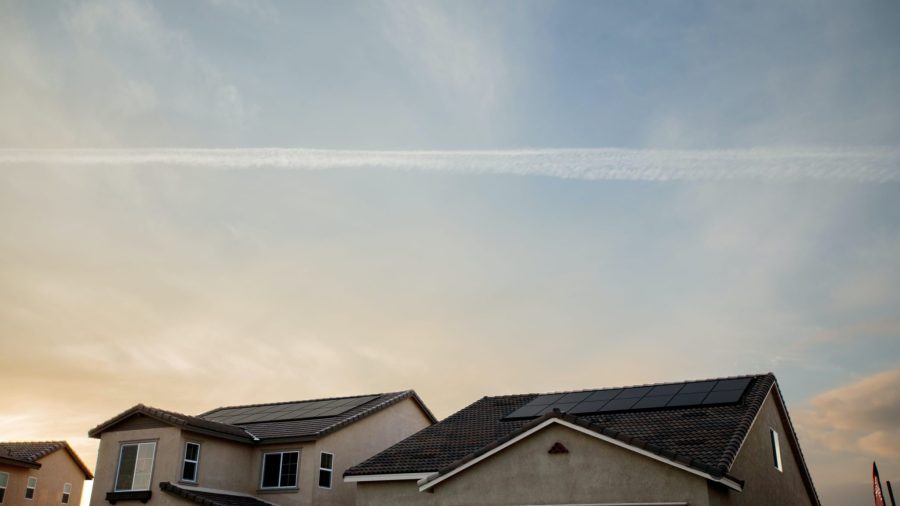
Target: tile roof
{"x": 211, "y": 498}
{"x": 178, "y": 419}
{"x": 28, "y": 453}
{"x": 264, "y": 432}
{"x": 704, "y": 437}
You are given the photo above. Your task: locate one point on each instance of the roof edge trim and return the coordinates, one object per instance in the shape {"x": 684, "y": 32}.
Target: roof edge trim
{"x": 387, "y": 477}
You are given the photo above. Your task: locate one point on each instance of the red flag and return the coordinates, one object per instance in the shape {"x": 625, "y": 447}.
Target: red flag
{"x": 876, "y": 484}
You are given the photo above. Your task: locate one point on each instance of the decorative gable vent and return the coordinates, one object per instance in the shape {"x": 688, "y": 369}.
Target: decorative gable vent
{"x": 558, "y": 448}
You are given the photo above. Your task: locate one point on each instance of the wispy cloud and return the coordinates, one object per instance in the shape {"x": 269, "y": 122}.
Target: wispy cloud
{"x": 860, "y": 417}
{"x": 863, "y": 165}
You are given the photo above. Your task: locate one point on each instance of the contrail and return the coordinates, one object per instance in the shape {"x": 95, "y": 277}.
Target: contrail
{"x": 861, "y": 165}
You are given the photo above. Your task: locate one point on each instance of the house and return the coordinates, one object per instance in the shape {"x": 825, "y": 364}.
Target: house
{"x": 287, "y": 453}
{"x": 41, "y": 473}
{"x": 723, "y": 441}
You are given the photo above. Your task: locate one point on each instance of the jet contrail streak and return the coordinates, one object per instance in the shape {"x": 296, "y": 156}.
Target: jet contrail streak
{"x": 861, "y": 165}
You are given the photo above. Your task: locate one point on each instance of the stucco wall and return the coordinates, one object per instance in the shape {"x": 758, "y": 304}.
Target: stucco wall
{"x": 361, "y": 440}
{"x": 755, "y": 465}
{"x": 56, "y": 470}
{"x": 166, "y": 463}
{"x": 525, "y": 473}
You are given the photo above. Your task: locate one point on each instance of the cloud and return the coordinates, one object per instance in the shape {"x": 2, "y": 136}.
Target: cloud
{"x": 859, "y": 418}
{"x": 873, "y": 165}
{"x": 449, "y": 51}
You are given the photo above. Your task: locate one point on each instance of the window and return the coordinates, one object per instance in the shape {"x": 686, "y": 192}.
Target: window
{"x": 191, "y": 462}
{"x": 776, "y": 449}
{"x": 4, "y": 481}
{"x": 135, "y": 466}
{"x": 279, "y": 470}
{"x": 326, "y": 469}
{"x": 67, "y": 490}
{"x": 29, "y": 489}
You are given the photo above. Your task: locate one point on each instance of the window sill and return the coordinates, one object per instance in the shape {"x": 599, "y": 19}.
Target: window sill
{"x": 189, "y": 483}
{"x": 280, "y": 490}
{"x": 131, "y": 495}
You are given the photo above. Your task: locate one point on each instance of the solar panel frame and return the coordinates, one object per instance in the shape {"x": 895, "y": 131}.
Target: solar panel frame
{"x": 623, "y": 404}
{"x": 723, "y": 397}
{"x": 587, "y": 407}
{"x": 694, "y": 387}
{"x": 633, "y": 392}
{"x": 732, "y": 384}
{"x": 604, "y": 395}
{"x": 575, "y": 397}
{"x": 546, "y": 399}
{"x": 665, "y": 390}
{"x": 652, "y": 401}
{"x": 683, "y": 400}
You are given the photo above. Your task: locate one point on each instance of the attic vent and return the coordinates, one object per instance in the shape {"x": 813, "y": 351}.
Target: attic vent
{"x": 558, "y": 448}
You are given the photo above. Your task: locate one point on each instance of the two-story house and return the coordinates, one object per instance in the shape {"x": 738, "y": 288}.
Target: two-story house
{"x": 287, "y": 453}
{"x": 41, "y": 473}
{"x": 716, "y": 442}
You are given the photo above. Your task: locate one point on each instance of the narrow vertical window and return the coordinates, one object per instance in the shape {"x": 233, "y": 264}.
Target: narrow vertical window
{"x": 135, "y": 466}
{"x": 4, "y": 481}
{"x": 191, "y": 462}
{"x": 67, "y": 491}
{"x": 326, "y": 469}
{"x": 776, "y": 449}
{"x": 29, "y": 488}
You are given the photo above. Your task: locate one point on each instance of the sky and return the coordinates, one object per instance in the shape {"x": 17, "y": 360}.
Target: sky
{"x": 464, "y": 198}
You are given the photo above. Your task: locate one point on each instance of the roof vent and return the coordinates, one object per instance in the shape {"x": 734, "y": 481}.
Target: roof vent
{"x": 558, "y": 448}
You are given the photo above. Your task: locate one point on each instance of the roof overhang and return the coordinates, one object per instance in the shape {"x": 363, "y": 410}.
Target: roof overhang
{"x": 19, "y": 463}
{"x": 386, "y": 477}
{"x": 436, "y": 478}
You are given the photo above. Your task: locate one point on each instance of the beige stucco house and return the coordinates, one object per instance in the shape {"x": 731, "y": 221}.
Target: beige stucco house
{"x": 288, "y": 453}
{"x": 41, "y": 473}
{"x": 724, "y": 441}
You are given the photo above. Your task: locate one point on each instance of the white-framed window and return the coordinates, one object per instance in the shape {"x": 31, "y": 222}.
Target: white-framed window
{"x": 135, "y": 466}
{"x": 279, "y": 469}
{"x": 191, "y": 465}
{"x": 67, "y": 491}
{"x": 30, "y": 487}
{"x": 776, "y": 449}
{"x": 4, "y": 482}
{"x": 326, "y": 469}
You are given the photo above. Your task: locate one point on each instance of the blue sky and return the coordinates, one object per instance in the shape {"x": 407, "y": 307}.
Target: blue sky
{"x": 456, "y": 283}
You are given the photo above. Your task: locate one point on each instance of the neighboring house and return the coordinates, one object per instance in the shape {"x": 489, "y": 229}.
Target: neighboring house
{"x": 288, "y": 453}
{"x": 726, "y": 441}
{"x": 41, "y": 473}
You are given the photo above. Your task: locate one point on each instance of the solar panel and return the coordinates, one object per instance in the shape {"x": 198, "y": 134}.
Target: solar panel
{"x": 655, "y": 401}
{"x": 633, "y": 393}
{"x": 723, "y": 397}
{"x": 670, "y": 395}
{"x": 587, "y": 407}
{"x": 288, "y": 411}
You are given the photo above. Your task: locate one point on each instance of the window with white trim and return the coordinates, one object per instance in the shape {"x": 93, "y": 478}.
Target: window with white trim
{"x": 279, "y": 470}
{"x": 29, "y": 488}
{"x": 4, "y": 481}
{"x": 326, "y": 469}
{"x": 67, "y": 491}
{"x": 135, "y": 466}
{"x": 191, "y": 465}
{"x": 776, "y": 449}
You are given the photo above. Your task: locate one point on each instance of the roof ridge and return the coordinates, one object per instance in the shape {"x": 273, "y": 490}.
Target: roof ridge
{"x": 293, "y": 402}
{"x": 741, "y": 376}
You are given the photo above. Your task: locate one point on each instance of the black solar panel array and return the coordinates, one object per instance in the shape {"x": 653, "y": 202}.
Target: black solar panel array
{"x": 673, "y": 395}
{"x": 287, "y": 411}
